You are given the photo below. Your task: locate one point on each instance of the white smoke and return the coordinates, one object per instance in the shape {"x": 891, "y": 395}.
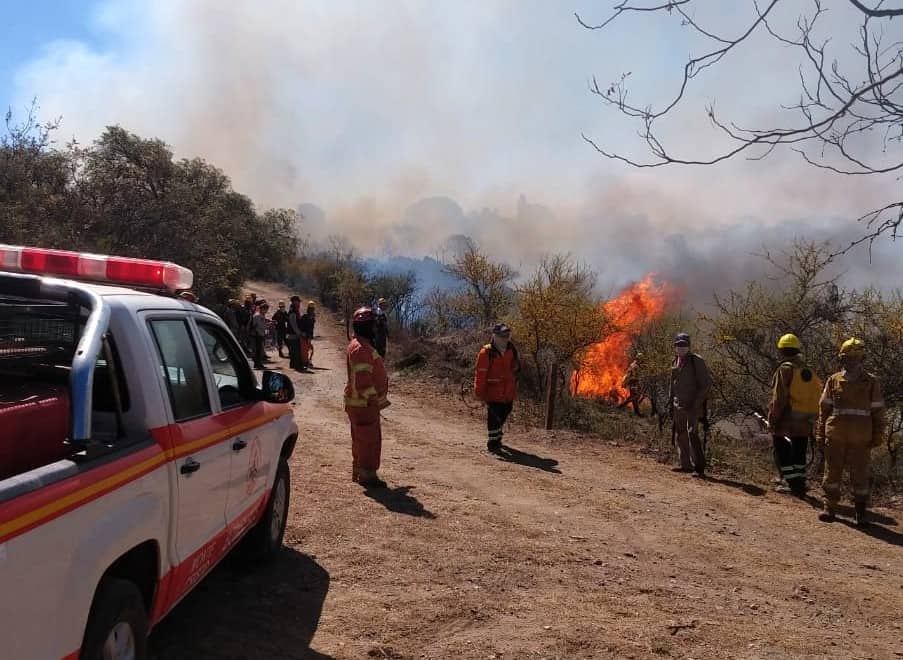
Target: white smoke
{"x": 366, "y": 109}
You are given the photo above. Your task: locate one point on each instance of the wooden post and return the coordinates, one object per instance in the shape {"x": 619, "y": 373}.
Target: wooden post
{"x": 551, "y": 395}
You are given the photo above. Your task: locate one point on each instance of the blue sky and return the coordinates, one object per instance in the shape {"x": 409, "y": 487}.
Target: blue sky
{"x": 30, "y": 26}
{"x": 365, "y": 107}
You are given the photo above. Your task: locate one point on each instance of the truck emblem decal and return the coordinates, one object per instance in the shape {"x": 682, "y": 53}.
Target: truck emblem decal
{"x": 254, "y": 464}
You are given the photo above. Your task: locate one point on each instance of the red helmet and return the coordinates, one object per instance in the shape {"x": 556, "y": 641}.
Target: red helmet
{"x": 364, "y": 315}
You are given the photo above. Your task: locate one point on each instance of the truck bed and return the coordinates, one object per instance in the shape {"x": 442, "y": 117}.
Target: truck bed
{"x": 34, "y": 420}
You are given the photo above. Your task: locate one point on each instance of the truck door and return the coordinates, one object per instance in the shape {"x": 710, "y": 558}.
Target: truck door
{"x": 201, "y": 455}
{"x": 243, "y": 418}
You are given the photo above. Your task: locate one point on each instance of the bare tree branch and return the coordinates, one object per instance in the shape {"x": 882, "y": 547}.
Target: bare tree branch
{"x": 876, "y": 13}
{"x": 851, "y": 123}
{"x": 625, "y": 7}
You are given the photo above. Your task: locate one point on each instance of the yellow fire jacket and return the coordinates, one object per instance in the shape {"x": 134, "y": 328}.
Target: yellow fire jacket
{"x": 782, "y": 418}
{"x": 852, "y": 411}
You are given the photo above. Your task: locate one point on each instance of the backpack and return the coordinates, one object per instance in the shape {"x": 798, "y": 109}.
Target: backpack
{"x": 805, "y": 390}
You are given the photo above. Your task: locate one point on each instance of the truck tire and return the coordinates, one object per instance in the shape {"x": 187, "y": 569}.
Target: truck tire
{"x": 117, "y": 626}
{"x": 264, "y": 541}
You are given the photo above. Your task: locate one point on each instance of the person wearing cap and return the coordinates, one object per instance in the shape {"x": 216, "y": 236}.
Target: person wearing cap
{"x": 851, "y": 423}
{"x": 280, "y": 322}
{"x": 792, "y": 410}
{"x": 306, "y": 324}
{"x": 381, "y": 339}
{"x": 365, "y": 396}
{"x": 689, "y": 387}
{"x": 293, "y": 337}
{"x": 495, "y": 382}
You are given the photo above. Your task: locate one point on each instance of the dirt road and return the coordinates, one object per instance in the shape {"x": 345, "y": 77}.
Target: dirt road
{"x": 570, "y": 549}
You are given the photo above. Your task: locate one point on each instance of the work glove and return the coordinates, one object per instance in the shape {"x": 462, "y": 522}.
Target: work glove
{"x": 385, "y": 403}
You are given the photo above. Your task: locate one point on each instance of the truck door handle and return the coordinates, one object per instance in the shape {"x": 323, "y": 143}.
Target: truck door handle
{"x": 239, "y": 444}
{"x": 190, "y": 466}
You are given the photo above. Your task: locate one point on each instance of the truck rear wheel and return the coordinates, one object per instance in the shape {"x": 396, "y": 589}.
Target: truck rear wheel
{"x": 264, "y": 541}
{"x": 117, "y": 626}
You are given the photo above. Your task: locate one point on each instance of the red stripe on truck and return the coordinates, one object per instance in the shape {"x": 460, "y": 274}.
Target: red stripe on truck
{"x": 24, "y": 513}
{"x": 181, "y": 579}
{"x": 175, "y": 441}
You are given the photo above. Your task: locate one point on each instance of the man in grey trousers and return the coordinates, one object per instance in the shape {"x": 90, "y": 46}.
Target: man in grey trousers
{"x": 689, "y": 388}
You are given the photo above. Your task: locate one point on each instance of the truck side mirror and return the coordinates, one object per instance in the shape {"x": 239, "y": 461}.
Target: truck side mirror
{"x": 277, "y": 387}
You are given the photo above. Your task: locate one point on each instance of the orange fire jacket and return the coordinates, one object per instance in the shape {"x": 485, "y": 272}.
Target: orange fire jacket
{"x": 368, "y": 383}
{"x": 495, "y": 378}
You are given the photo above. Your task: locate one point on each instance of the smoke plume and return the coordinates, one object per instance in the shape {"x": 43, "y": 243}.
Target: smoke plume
{"x": 400, "y": 124}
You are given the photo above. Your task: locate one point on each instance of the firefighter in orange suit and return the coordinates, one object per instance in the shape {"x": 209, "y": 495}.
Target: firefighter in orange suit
{"x": 365, "y": 397}
{"x": 851, "y": 423}
{"x": 495, "y": 382}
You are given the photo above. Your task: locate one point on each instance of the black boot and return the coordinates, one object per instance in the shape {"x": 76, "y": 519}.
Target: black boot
{"x": 827, "y": 516}
{"x": 374, "y": 483}
{"x": 494, "y": 446}
{"x": 861, "y": 520}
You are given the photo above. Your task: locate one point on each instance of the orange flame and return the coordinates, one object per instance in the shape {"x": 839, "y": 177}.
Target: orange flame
{"x": 605, "y": 363}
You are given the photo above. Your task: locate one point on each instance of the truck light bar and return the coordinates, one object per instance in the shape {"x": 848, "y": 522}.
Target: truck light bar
{"x": 95, "y": 267}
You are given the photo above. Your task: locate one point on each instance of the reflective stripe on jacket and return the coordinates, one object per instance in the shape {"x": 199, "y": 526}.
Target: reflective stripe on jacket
{"x": 368, "y": 383}
{"x": 495, "y": 378}
{"x": 853, "y": 410}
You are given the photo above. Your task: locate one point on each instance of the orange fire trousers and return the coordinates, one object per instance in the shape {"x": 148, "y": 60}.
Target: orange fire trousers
{"x": 306, "y": 351}
{"x": 366, "y": 441}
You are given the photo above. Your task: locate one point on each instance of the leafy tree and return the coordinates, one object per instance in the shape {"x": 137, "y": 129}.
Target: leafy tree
{"x": 558, "y": 315}
{"x": 127, "y": 195}
{"x": 400, "y": 290}
{"x": 743, "y": 334}
{"x": 444, "y": 310}
{"x": 352, "y": 291}
{"x": 35, "y": 179}
{"x": 488, "y": 294}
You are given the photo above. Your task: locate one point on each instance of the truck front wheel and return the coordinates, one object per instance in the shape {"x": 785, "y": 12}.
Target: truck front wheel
{"x": 264, "y": 541}
{"x": 117, "y": 626}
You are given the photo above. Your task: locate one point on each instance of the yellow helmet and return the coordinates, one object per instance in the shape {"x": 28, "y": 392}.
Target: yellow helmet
{"x": 790, "y": 341}
{"x": 853, "y": 347}
{"x": 311, "y": 303}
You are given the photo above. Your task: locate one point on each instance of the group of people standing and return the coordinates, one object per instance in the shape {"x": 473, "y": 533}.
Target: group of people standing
{"x": 367, "y": 388}
{"x": 290, "y": 328}
{"x": 845, "y": 417}
{"x": 248, "y": 322}
{"x": 295, "y": 331}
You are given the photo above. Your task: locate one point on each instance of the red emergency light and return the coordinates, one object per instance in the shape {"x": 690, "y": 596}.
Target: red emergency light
{"x": 95, "y": 267}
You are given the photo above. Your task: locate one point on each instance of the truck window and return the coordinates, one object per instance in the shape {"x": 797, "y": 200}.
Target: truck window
{"x": 234, "y": 381}
{"x": 181, "y": 369}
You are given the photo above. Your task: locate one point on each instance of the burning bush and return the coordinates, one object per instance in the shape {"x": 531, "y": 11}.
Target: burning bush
{"x": 603, "y": 364}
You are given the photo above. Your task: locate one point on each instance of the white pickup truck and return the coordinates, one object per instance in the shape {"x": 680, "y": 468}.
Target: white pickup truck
{"x": 136, "y": 450}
